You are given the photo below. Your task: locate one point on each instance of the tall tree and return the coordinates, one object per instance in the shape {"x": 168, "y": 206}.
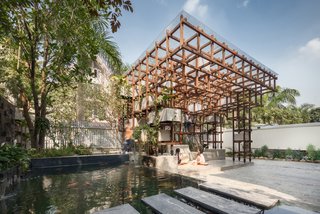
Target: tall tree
{"x": 315, "y": 115}
{"x": 50, "y": 44}
{"x": 277, "y": 108}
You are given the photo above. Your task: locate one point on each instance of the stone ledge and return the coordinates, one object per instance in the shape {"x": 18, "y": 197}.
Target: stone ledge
{"x": 78, "y": 160}
{"x": 163, "y": 162}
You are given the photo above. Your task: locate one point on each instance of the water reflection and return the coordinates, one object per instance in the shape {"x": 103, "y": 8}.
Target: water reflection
{"x": 90, "y": 190}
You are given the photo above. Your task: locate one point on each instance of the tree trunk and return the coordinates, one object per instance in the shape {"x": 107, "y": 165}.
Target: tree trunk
{"x": 43, "y": 127}
{"x": 26, "y": 115}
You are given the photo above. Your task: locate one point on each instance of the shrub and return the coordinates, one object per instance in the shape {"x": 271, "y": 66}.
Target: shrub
{"x": 65, "y": 151}
{"x": 311, "y": 152}
{"x": 297, "y": 155}
{"x": 264, "y": 150}
{"x": 318, "y": 154}
{"x": 229, "y": 154}
{"x": 11, "y": 156}
{"x": 82, "y": 150}
{"x": 257, "y": 153}
{"x": 289, "y": 153}
{"x": 278, "y": 154}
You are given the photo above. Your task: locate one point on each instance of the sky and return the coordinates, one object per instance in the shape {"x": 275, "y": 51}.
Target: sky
{"x": 284, "y": 35}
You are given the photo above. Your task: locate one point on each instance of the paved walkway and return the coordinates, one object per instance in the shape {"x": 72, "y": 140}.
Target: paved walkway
{"x": 294, "y": 183}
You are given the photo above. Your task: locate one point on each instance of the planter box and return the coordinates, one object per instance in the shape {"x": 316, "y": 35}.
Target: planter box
{"x": 78, "y": 161}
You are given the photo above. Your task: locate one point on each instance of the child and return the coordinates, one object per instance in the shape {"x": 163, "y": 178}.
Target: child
{"x": 200, "y": 160}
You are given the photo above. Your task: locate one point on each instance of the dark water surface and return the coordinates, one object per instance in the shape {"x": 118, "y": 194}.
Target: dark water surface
{"x": 90, "y": 189}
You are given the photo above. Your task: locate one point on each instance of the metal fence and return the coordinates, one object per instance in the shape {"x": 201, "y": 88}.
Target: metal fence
{"x": 93, "y": 134}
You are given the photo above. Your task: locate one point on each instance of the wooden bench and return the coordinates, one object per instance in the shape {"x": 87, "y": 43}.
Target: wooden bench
{"x": 214, "y": 203}
{"x": 248, "y": 197}
{"x": 163, "y": 203}
{"x": 125, "y": 208}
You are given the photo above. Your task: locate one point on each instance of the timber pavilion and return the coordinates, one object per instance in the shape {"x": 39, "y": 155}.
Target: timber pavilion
{"x": 199, "y": 81}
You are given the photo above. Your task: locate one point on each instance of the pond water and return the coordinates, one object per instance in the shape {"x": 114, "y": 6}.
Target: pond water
{"x": 88, "y": 190}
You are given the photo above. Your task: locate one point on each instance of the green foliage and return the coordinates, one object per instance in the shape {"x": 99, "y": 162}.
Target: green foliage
{"x": 57, "y": 152}
{"x": 82, "y": 150}
{"x": 278, "y": 154}
{"x": 64, "y": 103}
{"x": 311, "y": 152}
{"x": 318, "y": 154}
{"x": 257, "y": 153}
{"x": 280, "y": 108}
{"x": 289, "y": 153}
{"x": 264, "y": 150}
{"x": 149, "y": 133}
{"x": 11, "y": 156}
{"x": 261, "y": 152}
{"x": 315, "y": 115}
{"x": 137, "y": 133}
{"x": 229, "y": 154}
{"x": 48, "y": 45}
{"x": 119, "y": 91}
{"x": 297, "y": 155}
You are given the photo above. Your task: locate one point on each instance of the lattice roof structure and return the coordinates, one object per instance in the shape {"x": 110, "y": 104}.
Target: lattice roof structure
{"x": 203, "y": 73}
{"x": 200, "y": 68}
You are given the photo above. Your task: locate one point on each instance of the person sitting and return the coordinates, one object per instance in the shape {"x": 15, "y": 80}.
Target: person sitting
{"x": 200, "y": 160}
{"x": 181, "y": 157}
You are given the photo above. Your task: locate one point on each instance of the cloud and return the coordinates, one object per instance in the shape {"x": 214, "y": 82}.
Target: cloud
{"x": 196, "y": 8}
{"x": 245, "y": 3}
{"x": 311, "y": 49}
{"x": 300, "y": 69}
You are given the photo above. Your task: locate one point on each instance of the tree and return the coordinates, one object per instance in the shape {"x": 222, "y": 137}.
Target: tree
{"x": 278, "y": 108}
{"x": 282, "y": 97}
{"x": 50, "y": 45}
{"x": 305, "y": 112}
{"x": 315, "y": 115}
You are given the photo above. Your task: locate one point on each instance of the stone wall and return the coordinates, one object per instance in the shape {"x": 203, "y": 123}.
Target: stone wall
{"x": 7, "y": 122}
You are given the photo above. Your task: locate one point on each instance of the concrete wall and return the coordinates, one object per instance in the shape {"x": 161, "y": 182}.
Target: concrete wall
{"x": 296, "y": 136}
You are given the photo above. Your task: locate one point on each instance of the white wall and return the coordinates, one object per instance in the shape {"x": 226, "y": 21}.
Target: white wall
{"x": 296, "y": 136}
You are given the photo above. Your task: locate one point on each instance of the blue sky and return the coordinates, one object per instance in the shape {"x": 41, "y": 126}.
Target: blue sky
{"x": 282, "y": 34}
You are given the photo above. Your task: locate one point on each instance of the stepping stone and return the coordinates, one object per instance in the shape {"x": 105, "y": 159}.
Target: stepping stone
{"x": 215, "y": 203}
{"x": 251, "y": 198}
{"x": 125, "y": 208}
{"x": 284, "y": 209}
{"x": 165, "y": 204}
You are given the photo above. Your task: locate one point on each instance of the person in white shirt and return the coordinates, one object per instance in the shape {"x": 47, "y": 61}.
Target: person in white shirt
{"x": 200, "y": 160}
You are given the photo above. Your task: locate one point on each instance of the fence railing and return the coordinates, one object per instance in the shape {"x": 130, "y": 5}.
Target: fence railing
{"x": 93, "y": 134}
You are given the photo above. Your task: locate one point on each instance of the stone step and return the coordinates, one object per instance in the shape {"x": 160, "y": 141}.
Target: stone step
{"x": 125, "y": 208}
{"x": 165, "y": 204}
{"x": 214, "y": 203}
{"x": 246, "y": 196}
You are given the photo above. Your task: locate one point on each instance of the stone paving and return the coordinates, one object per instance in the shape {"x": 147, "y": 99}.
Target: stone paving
{"x": 294, "y": 183}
